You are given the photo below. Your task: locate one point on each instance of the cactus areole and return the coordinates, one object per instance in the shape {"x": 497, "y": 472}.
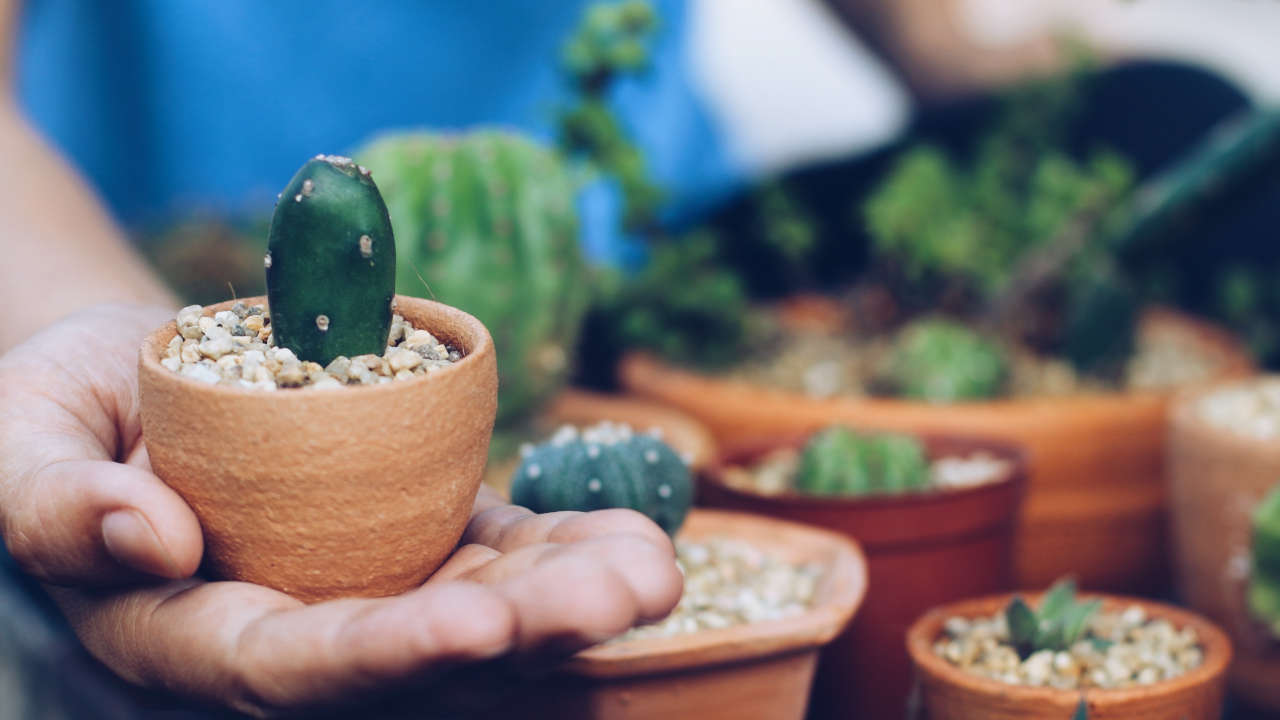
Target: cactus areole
{"x": 331, "y": 263}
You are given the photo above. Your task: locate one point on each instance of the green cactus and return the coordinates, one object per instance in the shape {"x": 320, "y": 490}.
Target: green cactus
{"x": 839, "y": 461}
{"x": 1264, "y": 582}
{"x": 605, "y": 466}
{"x": 943, "y": 361}
{"x": 331, "y": 263}
{"x": 486, "y": 223}
{"x": 1059, "y": 623}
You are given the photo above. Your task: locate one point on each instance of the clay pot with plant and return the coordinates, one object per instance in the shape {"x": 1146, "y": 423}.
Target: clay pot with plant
{"x": 761, "y": 596}
{"x": 935, "y": 518}
{"x": 1104, "y": 657}
{"x": 334, "y": 446}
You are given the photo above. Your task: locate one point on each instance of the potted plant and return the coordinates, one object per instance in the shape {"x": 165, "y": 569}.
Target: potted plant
{"x": 1109, "y": 657}
{"x": 332, "y": 445}
{"x": 761, "y": 596}
{"x": 1224, "y": 467}
{"x": 935, "y": 519}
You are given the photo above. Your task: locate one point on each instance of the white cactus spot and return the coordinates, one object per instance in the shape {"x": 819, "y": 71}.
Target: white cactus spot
{"x": 308, "y": 186}
{"x": 266, "y": 261}
{"x": 594, "y": 484}
{"x": 534, "y": 471}
{"x": 364, "y": 171}
{"x": 297, "y": 198}
{"x": 664, "y": 491}
{"x": 686, "y": 458}
{"x": 526, "y": 449}
{"x": 366, "y": 246}
{"x": 651, "y": 456}
{"x": 322, "y": 322}
{"x": 655, "y": 433}
{"x": 593, "y": 451}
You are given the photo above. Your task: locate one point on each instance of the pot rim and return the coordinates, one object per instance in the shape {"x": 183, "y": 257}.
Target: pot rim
{"x": 847, "y": 587}
{"x": 1015, "y": 474}
{"x": 925, "y": 630}
{"x": 476, "y": 342}
{"x": 1185, "y": 417}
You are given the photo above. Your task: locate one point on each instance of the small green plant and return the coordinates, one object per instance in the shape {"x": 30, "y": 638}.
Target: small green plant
{"x": 331, "y": 263}
{"x": 943, "y": 361}
{"x": 491, "y": 205}
{"x": 840, "y": 461}
{"x": 605, "y": 466}
{"x": 1264, "y": 581}
{"x": 1057, "y": 625}
{"x": 1082, "y": 711}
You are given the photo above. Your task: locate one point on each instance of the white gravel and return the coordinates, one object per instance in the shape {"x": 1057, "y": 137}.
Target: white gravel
{"x": 1250, "y": 408}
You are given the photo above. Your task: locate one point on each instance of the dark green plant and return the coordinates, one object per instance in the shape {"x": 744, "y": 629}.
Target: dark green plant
{"x": 942, "y": 361}
{"x": 331, "y": 263}
{"x": 485, "y": 221}
{"x": 605, "y": 466}
{"x": 1057, "y": 625}
{"x": 1264, "y": 581}
{"x": 1082, "y": 711}
{"x": 840, "y": 461}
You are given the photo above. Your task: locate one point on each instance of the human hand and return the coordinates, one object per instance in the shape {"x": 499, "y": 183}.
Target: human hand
{"x": 80, "y": 510}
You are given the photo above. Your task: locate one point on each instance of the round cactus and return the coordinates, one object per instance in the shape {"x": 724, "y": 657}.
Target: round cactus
{"x": 839, "y": 461}
{"x": 943, "y": 361}
{"x": 1264, "y": 582}
{"x": 605, "y": 466}
{"x": 486, "y": 223}
{"x": 331, "y": 263}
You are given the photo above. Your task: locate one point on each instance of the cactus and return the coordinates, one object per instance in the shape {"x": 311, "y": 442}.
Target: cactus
{"x": 1059, "y": 624}
{"x": 605, "y": 466}
{"x": 943, "y": 361}
{"x": 1264, "y": 582}
{"x": 486, "y": 223}
{"x": 331, "y": 263}
{"x": 840, "y": 461}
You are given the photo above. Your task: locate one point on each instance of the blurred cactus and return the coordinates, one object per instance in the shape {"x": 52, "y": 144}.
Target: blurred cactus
{"x": 1056, "y": 626}
{"x": 605, "y": 466}
{"x": 331, "y": 263}
{"x": 1264, "y": 581}
{"x": 839, "y": 461}
{"x": 943, "y": 361}
{"x": 486, "y": 222}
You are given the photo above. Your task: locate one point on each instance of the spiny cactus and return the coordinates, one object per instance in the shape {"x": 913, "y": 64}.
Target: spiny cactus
{"x": 1059, "y": 623}
{"x": 1264, "y": 582}
{"x": 605, "y": 466}
{"x": 331, "y": 263}
{"x": 839, "y": 461}
{"x": 486, "y": 220}
{"x": 943, "y": 361}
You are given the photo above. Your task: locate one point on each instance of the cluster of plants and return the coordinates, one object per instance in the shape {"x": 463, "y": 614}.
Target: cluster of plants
{"x": 842, "y": 461}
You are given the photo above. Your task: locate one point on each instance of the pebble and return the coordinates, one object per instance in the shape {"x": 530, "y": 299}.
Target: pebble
{"x": 1250, "y": 408}
{"x": 235, "y": 347}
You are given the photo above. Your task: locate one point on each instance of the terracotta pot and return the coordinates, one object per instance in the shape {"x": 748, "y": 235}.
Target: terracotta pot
{"x": 922, "y": 549}
{"x": 950, "y": 693}
{"x": 1096, "y": 499}
{"x": 1217, "y": 478}
{"x": 580, "y": 407}
{"x": 760, "y": 671}
{"x": 326, "y": 493}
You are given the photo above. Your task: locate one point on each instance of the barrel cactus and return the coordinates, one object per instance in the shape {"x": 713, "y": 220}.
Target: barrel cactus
{"x": 943, "y": 361}
{"x": 486, "y": 223}
{"x": 840, "y": 461}
{"x": 331, "y": 263}
{"x": 605, "y": 466}
{"x": 1264, "y": 583}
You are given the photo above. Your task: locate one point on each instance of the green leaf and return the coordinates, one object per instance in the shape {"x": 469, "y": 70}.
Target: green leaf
{"x": 1060, "y": 597}
{"x": 1082, "y": 711}
{"x": 1101, "y": 644}
{"x": 1076, "y": 618}
{"x": 1023, "y": 625}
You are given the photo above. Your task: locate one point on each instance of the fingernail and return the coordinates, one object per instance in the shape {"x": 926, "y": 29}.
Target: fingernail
{"x": 132, "y": 541}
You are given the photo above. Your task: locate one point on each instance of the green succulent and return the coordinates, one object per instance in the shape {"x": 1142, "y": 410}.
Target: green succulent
{"x": 943, "y": 361}
{"x": 1059, "y": 623}
{"x": 840, "y": 461}
{"x": 1264, "y": 581}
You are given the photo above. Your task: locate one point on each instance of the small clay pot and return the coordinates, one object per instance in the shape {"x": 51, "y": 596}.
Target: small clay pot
{"x": 325, "y": 493}
{"x": 950, "y": 693}
{"x": 1096, "y": 505}
{"x": 759, "y": 671}
{"x": 923, "y": 549}
{"x": 1217, "y": 478}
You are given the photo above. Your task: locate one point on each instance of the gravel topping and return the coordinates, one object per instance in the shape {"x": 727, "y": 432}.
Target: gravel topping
{"x": 775, "y": 472}
{"x": 235, "y": 347}
{"x": 1250, "y": 408}
{"x": 730, "y": 582}
{"x": 1119, "y": 650}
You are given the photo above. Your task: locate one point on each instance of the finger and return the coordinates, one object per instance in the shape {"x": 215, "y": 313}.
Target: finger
{"x": 97, "y": 521}
{"x": 463, "y": 561}
{"x": 507, "y": 527}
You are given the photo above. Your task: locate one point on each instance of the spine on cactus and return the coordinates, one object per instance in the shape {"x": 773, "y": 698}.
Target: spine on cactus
{"x": 605, "y": 466}
{"x": 331, "y": 263}
{"x": 485, "y": 222}
{"x": 1264, "y": 582}
{"x": 839, "y": 461}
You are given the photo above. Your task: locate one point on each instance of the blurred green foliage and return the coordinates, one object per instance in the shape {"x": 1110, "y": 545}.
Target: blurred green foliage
{"x": 942, "y": 361}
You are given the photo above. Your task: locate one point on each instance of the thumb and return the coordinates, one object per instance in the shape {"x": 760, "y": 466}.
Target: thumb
{"x": 99, "y": 522}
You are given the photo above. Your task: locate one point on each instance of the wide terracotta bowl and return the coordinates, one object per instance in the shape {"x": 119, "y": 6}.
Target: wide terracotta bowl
{"x": 1217, "y": 479}
{"x": 1096, "y": 499}
{"x": 950, "y": 693}
{"x": 923, "y": 550}
{"x": 760, "y": 671}
{"x": 326, "y": 493}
